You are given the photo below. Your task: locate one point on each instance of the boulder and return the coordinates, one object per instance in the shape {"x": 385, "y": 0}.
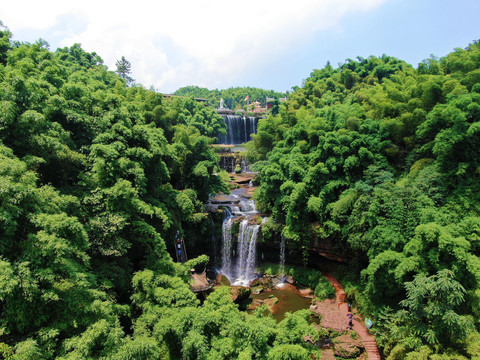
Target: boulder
{"x": 246, "y": 195}
{"x": 240, "y": 293}
{"x": 271, "y": 304}
{"x": 222, "y": 199}
{"x": 306, "y": 293}
{"x": 256, "y": 290}
{"x": 266, "y": 282}
{"x": 256, "y": 303}
{"x": 254, "y": 282}
{"x": 221, "y": 280}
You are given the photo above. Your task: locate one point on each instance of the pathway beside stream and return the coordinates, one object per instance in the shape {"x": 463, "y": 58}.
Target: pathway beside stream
{"x": 334, "y": 316}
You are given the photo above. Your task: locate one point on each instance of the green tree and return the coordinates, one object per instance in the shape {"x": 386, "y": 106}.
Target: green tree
{"x": 124, "y": 69}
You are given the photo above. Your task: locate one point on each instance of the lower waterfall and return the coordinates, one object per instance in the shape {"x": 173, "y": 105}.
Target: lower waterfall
{"x": 282, "y": 258}
{"x": 226, "y": 268}
{"x": 246, "y": 253}
{"x": 239, "y": 266}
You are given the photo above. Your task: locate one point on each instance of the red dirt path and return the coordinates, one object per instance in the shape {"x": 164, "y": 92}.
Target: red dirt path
{"x": 334, "y": 316}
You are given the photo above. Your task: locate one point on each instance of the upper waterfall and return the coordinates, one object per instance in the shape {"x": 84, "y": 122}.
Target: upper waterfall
{"x": 239, "y": 129}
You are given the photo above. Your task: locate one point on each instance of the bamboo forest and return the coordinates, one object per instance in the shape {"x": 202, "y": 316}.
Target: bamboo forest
{"x": 338, "y": 220}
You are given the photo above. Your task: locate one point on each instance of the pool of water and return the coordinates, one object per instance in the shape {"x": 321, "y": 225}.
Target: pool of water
{"x": 288, "y": 300}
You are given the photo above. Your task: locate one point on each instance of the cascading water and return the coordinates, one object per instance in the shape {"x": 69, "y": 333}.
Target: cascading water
{"x": 240, "y": 266}
{"x": 246, "y": 253}
{"x": 227, "y": 244}
{"x": 214, "y": 243}
{"x": 244, "y": 164}
{"x": 282, "y": 259}
{"x": 229, "y": 162}
{"x": 239, "y": 129}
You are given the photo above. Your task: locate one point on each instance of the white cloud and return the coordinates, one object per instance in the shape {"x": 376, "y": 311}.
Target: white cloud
{"x": 185, "y": 42}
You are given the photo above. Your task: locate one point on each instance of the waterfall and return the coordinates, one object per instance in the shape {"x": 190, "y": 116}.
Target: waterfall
{"x": 229, "y": 163}
{"x": 214, "y": 243}
{"x": 247, "y": 136}
{"x": 282, "y": 259}
{"x": 244, "y": 165}
{"x": 239, "y": 129}
{"x": 246, "y": 253}
{"x": 239, "y": 262}
{"x": 227, "y": 244}
{"x": 253, "y": 125}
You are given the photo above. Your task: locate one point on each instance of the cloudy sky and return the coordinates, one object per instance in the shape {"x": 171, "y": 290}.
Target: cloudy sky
{"x": 272, "y": 44}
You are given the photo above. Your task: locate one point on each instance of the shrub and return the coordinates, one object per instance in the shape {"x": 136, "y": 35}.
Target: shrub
{"x": 324, "y": 290}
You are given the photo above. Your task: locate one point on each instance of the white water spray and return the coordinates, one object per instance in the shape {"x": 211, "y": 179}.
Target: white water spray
{"x": 227, "y": 244}
{"x": 282, "y": 259}
{"x": 246, "y": 253}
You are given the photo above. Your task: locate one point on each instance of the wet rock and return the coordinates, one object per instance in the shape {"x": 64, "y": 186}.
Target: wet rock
{"x": 289, "y": 279}
{"x": 221, "y": 280}
{"x": 240, "y": 293}
{"x": 256, "y": 290}
{"x": 247, "y": 195}
{"x": 306, "y": 293}
{"x": 238, "y": 179}
{"x": 255, "y": 304}
{"x": 271, "y": 304}
{"x": 255, "y": 282}
{"x": 277, "y": 282}
{"x": 265, "y": 282}
{"x": 222, "y": 199}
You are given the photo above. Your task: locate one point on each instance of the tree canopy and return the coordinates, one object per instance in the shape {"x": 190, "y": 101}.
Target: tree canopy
{"x": 381, "y": 161}
{"x": 234, "y": 98}
{"x": 98, "y": 175}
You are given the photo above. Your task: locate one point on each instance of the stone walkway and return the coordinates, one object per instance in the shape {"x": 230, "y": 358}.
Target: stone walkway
{"x": 334, "y": 316}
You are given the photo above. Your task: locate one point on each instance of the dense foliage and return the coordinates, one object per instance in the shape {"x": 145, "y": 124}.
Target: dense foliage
{"x": 383, "y": 161}
{"x": 98, "y": 178}
{"x": 234, "y": 98}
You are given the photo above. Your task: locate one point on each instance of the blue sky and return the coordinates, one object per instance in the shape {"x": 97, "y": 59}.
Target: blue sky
{"x": 268, "y": 44}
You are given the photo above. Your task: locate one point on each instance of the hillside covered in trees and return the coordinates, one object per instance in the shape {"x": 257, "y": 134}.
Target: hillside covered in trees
{"x": 98, "y": 178}
{"x": 382, "y": 161}
{"x": 234, "y": 98}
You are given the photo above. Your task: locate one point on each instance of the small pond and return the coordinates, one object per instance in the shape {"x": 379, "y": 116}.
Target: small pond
{"x": 288, "y": 300}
